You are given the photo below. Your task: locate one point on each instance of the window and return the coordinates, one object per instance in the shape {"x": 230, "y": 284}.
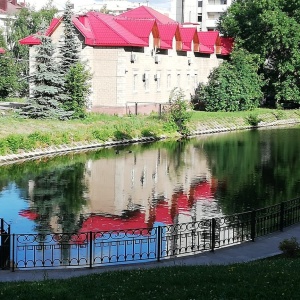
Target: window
{"x": 200, "y": 3}
{"x": 200, "y": 18}
{"x": 169, "y": 81}
{"x": 178, "y": 79}
{"x": 188, "y": 77}
{"x": 195, "y": 80}
{"x": 157, "y": 78}
{"x": 146, "y": 81}
{"x": 135, "y": 82}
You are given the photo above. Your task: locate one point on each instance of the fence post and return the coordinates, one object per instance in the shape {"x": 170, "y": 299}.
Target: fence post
{"x": 253, "y": 223}
{"x": 213, "y": 234}
{"x": 13, "y": 254}
{"x": 159, "y": 236}
{"x": 159, "y": 112}
{"x": 281, "y": 216}
{"x": 91, "y": 248}
{"x": 136, "y": 108}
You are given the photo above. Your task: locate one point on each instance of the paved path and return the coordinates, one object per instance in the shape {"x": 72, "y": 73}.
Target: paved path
{"x": 262, "y": 247}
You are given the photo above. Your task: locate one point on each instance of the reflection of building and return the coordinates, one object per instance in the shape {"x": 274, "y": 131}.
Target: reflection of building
{"x": 205, "y": 13}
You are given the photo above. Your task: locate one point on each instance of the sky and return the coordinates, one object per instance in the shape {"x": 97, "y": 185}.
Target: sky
{"x": 60, "y": 4}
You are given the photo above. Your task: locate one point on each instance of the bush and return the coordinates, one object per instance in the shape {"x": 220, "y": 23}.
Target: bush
{"x": 289, "y": 247}
{"x": 253, "y": 119}
{"x": 180, "y": 111}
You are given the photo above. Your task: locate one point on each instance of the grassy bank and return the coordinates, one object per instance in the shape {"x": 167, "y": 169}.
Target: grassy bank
{"x": 19, "y": 135}
{"x": 266, "y": 279}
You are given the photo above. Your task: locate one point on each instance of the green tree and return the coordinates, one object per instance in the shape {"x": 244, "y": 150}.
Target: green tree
{"x": 233, "y": 86}
{"x": 77, "y": 78}
{"x": 78, "y": 88}
{"x": 180, "y": 111}
{"x": 46, "y": 84}
{"x": 28, "y": 21}
{"x": 69, "y": 46}
{"x": 271, "y": 30}
{"x": 8, "y": 72}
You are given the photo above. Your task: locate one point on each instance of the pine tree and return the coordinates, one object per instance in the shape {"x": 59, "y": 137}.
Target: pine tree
{"x": 47, "y": 83}
{"x": 77, "y": 77}
{"x": 69, "y": 46}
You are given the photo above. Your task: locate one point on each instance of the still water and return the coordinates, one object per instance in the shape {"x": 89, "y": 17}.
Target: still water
{"x": 145, "y": 185}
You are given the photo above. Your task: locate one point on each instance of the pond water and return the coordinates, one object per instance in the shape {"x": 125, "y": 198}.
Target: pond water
{"x": 144, "y": 185}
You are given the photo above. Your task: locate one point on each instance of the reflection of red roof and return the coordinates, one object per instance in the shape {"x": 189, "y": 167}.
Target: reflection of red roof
{"x": 203, "y": 191}
{"x": 27, "y": 213}
{"x": 145, "y": 12}
{"x": 162, "y": 213}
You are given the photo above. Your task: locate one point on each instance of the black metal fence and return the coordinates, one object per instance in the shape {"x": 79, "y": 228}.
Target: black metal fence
{"x": 90, "y": 249}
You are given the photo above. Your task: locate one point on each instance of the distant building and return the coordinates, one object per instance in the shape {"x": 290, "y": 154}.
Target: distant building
{"x": 204, "y": 13}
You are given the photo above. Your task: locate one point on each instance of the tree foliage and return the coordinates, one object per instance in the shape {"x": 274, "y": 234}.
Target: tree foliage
{"x": 179, "y": 111}
{"x": 78, "y": 88}
{"x": 233, "y": 86}
{"x": 8, "y": 75}
{"x": 271, "y": 30}
{"x": 28, "y": 21}
{"x": 46, "y": 84}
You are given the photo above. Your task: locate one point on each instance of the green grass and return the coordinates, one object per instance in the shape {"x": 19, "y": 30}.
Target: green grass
{"x": 265, "y": 279}
{"x": 19, "y": 135}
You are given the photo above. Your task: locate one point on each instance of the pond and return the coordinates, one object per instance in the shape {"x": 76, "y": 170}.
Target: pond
{"x": 145, "y": 185}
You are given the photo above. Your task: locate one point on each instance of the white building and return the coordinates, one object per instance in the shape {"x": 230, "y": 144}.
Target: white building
{"x": 203, "y": 12}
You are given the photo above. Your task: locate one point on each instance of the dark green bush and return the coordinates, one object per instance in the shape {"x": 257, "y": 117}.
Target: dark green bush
{"x": 290, "y": 247}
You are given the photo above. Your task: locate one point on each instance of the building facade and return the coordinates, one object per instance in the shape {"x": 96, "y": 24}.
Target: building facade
{"x": 204, "y": 13}
{"x": 138, "y": 57}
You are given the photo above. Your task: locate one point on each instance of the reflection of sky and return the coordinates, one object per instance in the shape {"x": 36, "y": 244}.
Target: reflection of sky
{"x": 10, "y": 206}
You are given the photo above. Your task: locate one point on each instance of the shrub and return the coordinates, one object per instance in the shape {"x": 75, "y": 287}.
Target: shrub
{"x": 253, "y": 119}
{"x": 290, "y": 247}
{"x": 180, "y": 111}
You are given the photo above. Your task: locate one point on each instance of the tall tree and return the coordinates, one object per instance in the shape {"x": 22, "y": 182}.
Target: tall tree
{"x": 270, "y": 29}
{"x": 46, "y": 84}
{"x": 69, "y": 46}
{"x": 233, "y": 86}
{"x": 28, "y": 21}
{"x": 77, "y": 85}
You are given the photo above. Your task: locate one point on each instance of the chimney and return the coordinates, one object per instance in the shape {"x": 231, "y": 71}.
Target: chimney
{"x": 3, "y": 5}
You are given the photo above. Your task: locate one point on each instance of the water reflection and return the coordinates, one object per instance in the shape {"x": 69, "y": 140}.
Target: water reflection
{"x": 142, "y": 186}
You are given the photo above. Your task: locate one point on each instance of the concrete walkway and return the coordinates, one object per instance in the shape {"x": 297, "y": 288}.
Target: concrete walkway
{"x": 262, "y": 247}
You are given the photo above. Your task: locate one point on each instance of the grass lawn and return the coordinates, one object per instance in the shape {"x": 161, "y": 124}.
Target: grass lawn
{"x": 19, "y": 135}
{"x": 266, "y": 279}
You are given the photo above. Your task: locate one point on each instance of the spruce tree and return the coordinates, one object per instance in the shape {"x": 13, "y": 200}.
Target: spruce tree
{"x": 47, "y": 83}
{"x": 76, "y": 90}
{"x": 69, "y": 46}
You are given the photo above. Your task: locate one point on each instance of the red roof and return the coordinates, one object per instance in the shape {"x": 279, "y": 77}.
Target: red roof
{"x": 2, "y": 51}
{"x": 167, "y": 33}
{"x": 139, "y": 27}
{"x": 227, "y": 45}
{"x": 188, "y": 35}
{"x": 145, "y": 12}
{"x": 208, "y": 40}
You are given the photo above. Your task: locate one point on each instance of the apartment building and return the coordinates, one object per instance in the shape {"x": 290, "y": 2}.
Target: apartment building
{"x": 204, "y": 13}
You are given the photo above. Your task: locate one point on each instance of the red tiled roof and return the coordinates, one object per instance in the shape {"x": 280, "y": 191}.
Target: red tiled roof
{"x": 188, "y": 35}
{"x": 107, "y": 32}
{"x": 227, "y": 45}
{"x": 167, "y": 33}
{"x": 139, "y": 27}
{"x": 145, "y": 12}
{"x": 209, "y": 39}
{"x": 33, "y": 40}
{"x": 2, "y": 51}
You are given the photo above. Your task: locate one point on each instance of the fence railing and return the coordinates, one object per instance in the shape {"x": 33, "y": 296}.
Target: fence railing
{"x": 91, "y": 249}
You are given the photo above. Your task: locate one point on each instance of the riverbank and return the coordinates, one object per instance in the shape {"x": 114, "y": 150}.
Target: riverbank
{"x": 22, "y": 139}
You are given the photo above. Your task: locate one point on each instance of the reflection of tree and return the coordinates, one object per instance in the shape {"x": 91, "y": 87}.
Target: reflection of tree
{"x": 256, "y": 168}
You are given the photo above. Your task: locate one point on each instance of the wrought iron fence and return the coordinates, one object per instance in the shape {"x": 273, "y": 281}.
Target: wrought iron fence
{"x": 90, "y": 249}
